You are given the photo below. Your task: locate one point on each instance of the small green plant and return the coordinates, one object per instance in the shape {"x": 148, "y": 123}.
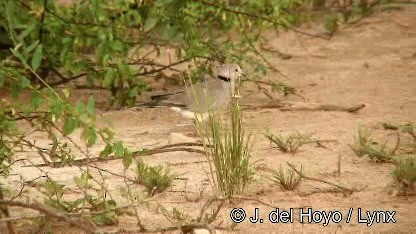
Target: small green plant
{"x": 405, "y": 172}
{"x": 331, "y": 24}
{"x": 289, "y": 180}
{"x": 365, "y": 146}
{"x": 156, "y": 179}
{"x": 289, "y": 144}
{"x": 228, "y": 150}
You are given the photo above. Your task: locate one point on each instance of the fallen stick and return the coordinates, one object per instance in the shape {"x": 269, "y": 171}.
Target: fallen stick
{"x": 286, "y": 106}
{"x": 345, "y": 191}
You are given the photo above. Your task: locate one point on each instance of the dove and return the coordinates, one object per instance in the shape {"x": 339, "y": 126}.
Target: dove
{"x": 211, "y": 93}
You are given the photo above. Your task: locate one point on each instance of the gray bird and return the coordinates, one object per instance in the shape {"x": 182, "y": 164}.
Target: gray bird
{"x": 210, "y": 94}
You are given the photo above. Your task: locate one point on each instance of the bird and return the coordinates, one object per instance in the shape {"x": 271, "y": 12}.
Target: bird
{"x": 211, "y": 93}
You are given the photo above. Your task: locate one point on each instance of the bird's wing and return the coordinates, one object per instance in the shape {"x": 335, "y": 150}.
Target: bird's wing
{"x": 179, "y": 99}
{"x": 209, "y": 94}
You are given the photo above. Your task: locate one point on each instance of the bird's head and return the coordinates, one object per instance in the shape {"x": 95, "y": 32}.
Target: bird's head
{"x": 230, "y": 73}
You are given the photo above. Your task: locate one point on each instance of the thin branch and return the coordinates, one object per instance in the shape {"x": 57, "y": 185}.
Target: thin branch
{"x": 47, "y": 211}
{"x": 144, "y": 152}
{"x": 5, "y": 212}
{"x": 345, "y": 191}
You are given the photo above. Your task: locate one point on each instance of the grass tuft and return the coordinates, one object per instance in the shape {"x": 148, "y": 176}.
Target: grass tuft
{"x": 365, "y": 146}
{"x": 289, "y": 144}
{"x": 228, "y": 150}
{"x": 289, "y": 180}
{"x": 405, "y": 172}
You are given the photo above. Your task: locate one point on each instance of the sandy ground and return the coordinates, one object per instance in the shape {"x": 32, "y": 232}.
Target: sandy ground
{"x": 373, "y": 62}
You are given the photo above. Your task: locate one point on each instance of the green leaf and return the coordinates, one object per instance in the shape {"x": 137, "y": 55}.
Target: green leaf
{"x": 107, "y": 134}
{"x": 70, "y": 125}
{"x": 36, "y": 99}
{"x": 25, "y": 82}
{"x": 107, "y": 151}
{"x": 56, "y": 108}
{"x": 117, "y": 45}
{"x": 133, "y": 92}
{"x": 109, "y": 78}
{"x": 82, "y": 181}
{"x": 26, "y": 32}
{"x": 80, "y": 107}
{"x": 109, "y": 218}
{"x": 90, "y": 136}
{"x": 31, "y": 47}
{"x": 37, "y": 58}
{"x": 118, "y": 149}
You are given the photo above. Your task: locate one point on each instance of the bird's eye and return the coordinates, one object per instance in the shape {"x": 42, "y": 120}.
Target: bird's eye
{"x": 236, "y": 70}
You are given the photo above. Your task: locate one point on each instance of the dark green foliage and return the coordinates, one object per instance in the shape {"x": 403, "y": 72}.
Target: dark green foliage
{"x": 97, "y": 37}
